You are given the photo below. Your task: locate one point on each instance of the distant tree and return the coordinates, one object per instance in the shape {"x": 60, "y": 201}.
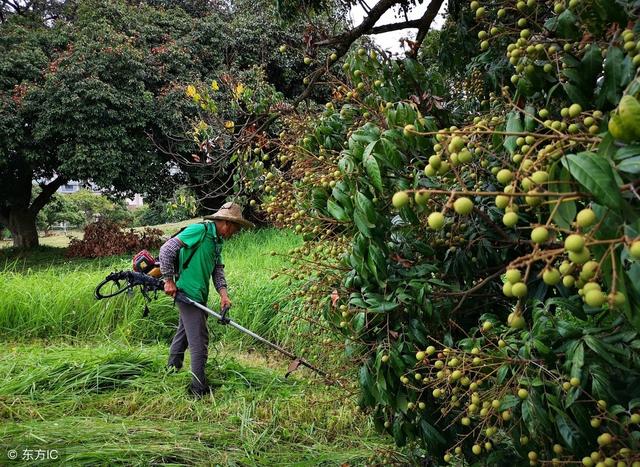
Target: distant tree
{"x": 95, "y": 90}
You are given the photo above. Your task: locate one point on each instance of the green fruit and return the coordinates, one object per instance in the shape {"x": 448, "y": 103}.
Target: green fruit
{"x": 580, "y": 257}
{"x": 457, "y": 143}
{"x": 513, "y": 276}
{"x": 629, "y": 111}
{"x": 594, "y": 298}
{"x": 435, "y": 161}
{"x": 480, "y": 12}
{"x": 307, "y": 60}
{"x": 634, "y": 249}
{"x": 586, "y": 218}
{"x": 487, "y": 326}
{"x": 519, "y": 289}
{"x": 421, "y": 197}
{"x": 400, "y": 199}
{"x": 510, "y": 219}
{"x": 616, "y": 128}
{"x": 436, "y": 220}
{"x": 282, "y": 48}
{"x": 506, "y": 289}
{"x": 605, "y": 439}
{"x": 420, "y": 356}
{"x": 516, "y": 321}
{"x": 502, "y": 201}
{"x": 539, "y": 235}
{"x": 504, "y": 176}
{"x": 465, "y": 156}
{"x": 523, "y": 393}
{"x": 551, "y": 276}
{"x": 476, "y": 449}
{"x": 574, "y": 243}
{"x": 635, "y": 418}
{"x": 409, "y": 130}
{"x": 540, "y": 177}
{"x": 463, "y": 206}
{"x": 575, "y": 110}
{"x": 333, "y": 57}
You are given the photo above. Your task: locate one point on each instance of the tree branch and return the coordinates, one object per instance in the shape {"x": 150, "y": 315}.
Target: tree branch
{"x": 425, "y": 24}
{"x": 45, "y": 195}
{"x": 343, "y": 41}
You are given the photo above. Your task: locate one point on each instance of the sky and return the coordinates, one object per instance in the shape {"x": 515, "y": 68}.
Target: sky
{"x": 390, "y": 40}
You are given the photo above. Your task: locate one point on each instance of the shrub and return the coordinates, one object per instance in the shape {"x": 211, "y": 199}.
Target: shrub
{"x": 105, "y": 238}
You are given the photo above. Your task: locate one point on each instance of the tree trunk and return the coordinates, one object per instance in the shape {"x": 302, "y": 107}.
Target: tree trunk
{"x": 22, "y": 225}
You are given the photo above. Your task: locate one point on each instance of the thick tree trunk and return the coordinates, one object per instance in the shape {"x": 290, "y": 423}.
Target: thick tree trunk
{"x": 19, "y": 212}
{"x": 22, "y": 225}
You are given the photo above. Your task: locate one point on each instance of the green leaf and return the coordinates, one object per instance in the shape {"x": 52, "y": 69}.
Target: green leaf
{"x": 567, "y": 430}
{"x": 432, "y": 437}
{"x": 371, "y": 166}
{"x": 509, "y": 401}
{"x": 336, "y": 211}
{"x": 566, "y": 212}
{"x": 631, "y": 165}
{"x": 577, "y": 361}
{"x": 514, "y": 125}
{"x": 626, "y": 152}
{"x": 529, "y": 118}
{"x": 616, "y": 75}
{"x": 595, "y": 174}
{"x": 575, "y": 94}
{"x": 603, "y": 351}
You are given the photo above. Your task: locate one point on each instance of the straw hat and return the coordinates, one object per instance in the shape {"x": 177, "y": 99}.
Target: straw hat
{"x": 231, "y": 212}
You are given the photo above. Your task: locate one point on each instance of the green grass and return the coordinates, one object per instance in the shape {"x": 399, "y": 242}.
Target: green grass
{"x": 87, "y": 377}
{"x": 114, "y": 404}
{"x": 47, "y": 295}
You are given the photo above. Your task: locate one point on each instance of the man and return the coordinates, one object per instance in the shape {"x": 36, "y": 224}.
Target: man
{"x": 198, "y": 250}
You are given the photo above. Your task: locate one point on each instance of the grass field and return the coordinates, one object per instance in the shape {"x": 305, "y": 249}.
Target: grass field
{"x": 87, "y": 377}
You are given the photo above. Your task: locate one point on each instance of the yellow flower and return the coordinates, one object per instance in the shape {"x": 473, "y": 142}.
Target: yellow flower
{"x": 191, "y": 91}
{"x": 214, "y": 85}
{"x": 229, "y": 125}
{"x": 201, "y": 127}
{"x": 239, "y": 90}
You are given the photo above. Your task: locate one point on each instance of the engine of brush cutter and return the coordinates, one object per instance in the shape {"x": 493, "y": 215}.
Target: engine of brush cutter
{"x": 145, "y": 263}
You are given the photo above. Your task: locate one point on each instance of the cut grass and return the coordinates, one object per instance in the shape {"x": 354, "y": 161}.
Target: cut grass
{"x": 115, "y": 404}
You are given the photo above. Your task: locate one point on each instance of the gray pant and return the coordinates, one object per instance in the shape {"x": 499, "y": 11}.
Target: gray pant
{"x": 193, "y": 333}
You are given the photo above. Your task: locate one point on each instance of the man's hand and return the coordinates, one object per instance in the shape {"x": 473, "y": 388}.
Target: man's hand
{"x": 170, "y": 288}
{"x": 224, "y": 299}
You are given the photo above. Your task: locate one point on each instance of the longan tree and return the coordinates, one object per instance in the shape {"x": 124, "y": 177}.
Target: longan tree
{"x": 484, "y": 275}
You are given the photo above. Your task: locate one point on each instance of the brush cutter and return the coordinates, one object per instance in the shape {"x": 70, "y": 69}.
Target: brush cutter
{"x": 127, "y": 281}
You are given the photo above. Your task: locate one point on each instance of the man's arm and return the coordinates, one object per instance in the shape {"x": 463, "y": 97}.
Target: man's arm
{"x": 220, "y": 284}
{"x": 169, "y": 251}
